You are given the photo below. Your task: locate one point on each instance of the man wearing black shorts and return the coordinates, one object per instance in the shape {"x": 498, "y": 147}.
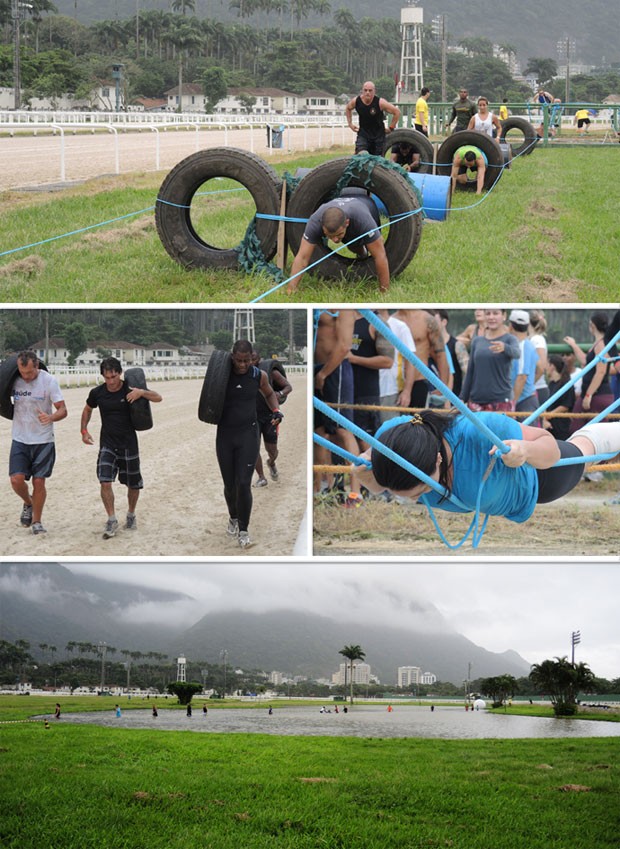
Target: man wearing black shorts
{"x": 237, "y": 442}
{"x": 118, "y": 442}
{"x": 268, "y": 429}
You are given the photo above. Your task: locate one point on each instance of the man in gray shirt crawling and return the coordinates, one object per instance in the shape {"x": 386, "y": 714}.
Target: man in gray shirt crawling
{"x": 341, "y": 220}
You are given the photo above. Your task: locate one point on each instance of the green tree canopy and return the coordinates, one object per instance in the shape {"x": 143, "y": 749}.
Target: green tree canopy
{"x": 562, "y": 680}
{"x": 214, "y": 86}
{"x": 184, "y": 690}
{"x": 352, "y": 653}
{"x": 75, "y": 340}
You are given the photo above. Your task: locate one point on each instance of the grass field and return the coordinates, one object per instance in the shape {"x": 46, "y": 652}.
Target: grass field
{"x": 77, "y": 787}
{"x": 547, "y": 233}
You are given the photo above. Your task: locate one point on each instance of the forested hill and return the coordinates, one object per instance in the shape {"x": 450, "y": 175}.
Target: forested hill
{"x": 533, "y": 29}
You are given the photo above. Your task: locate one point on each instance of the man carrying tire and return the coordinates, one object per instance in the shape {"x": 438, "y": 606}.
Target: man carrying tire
{"x": 370, "y": 109}
{"x": 352, "y": 220}
{"x": 468, "y": 159}
{"x": 118, "y": 441}
{"x": 237, "y": 441}
{"x": 38, "y": 403}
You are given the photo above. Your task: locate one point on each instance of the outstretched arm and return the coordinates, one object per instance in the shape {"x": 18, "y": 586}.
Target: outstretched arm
{"x": 537, "y": 447}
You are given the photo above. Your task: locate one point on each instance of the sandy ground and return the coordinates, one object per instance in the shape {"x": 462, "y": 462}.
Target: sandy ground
{"x": 30, "y": 161}
{"x": 181, "y": 511}
{"x": 578, "y": 525}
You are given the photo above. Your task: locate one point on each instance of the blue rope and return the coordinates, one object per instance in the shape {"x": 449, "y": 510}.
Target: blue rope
{"x": 341, "y": 452}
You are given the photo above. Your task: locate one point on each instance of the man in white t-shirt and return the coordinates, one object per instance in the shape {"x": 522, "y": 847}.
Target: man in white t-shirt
{"x": 396, "y": 382}
{"x": 38, "y": 403}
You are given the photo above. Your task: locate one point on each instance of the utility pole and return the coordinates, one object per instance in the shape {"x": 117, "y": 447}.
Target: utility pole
{"x": 565, "y": 47}
{"x": 224, "y": 656}
{"x": 438, "y": 26}
{"x": 102, "y": 650}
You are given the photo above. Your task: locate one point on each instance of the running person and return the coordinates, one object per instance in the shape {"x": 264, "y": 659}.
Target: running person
{"x": 453, "y": 451}
{"x": 118, "y": 441}
{"x": 269, "y": 431}
{"x": 370, "y": 108}
{"x": 38, "y": 403}
{"x": 237, "y": 441}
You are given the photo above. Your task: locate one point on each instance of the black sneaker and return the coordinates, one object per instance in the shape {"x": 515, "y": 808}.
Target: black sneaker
{"x": 26, "y": 515}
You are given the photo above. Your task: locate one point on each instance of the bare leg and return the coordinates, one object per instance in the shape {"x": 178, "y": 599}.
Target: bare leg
{"x": 39, "y": 494}
{"x": 20, "y": 488}
{"x": 107, "y": 496}
{"x": 132, "y": 499}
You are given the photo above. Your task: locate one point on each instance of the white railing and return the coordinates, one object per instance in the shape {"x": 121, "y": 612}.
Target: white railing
{"x": 89, "y": 120}
{"x": 77, "y": 376}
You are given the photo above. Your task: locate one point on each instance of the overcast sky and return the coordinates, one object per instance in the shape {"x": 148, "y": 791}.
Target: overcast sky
{"x": 530, "y": 608}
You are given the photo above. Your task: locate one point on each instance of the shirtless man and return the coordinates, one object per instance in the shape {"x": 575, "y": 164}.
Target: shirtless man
{"x": 428, "y": 338}
{"x": 333, "y": 380}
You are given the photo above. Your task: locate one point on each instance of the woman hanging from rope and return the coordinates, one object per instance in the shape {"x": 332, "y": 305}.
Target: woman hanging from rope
{"x": 450, "y": 449}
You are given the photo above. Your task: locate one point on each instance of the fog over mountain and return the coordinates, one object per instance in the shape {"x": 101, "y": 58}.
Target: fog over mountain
{"x": 49, "y": 603}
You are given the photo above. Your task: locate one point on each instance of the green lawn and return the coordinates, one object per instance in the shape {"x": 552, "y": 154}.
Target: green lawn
{"x": 77, "y": 787}
{"x": 547, "y": 233}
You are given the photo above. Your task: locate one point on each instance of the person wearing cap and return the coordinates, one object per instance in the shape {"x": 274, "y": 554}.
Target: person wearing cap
{"x": 524, "y": 368}
{"x": 468, "y": 161}
{"x": 370, "y": 109}
{"x": 463, "y": 110}
{"x": 421, "y": 111}
{"x": 487, "y": 384}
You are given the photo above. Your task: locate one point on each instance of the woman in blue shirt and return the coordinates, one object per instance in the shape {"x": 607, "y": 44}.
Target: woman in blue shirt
{"x": 454, "y": 452}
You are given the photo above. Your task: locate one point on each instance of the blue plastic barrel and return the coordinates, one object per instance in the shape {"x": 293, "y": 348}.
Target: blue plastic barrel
{"x": 436, "y": 194}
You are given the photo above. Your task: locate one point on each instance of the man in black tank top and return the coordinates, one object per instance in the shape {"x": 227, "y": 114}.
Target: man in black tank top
{"x": 237, "y": 442}
{"x": 370, "y": 108}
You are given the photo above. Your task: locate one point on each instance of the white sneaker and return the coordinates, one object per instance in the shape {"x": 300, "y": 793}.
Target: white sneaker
{"x": 233, "y": 528}
{"x": 244, "y": 540}
{"x": 111, "y": 526}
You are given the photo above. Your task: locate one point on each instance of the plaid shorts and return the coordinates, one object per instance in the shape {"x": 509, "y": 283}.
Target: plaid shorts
{"x": 122, "y": 461}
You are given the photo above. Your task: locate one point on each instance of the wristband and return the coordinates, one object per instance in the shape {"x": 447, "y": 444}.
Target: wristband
{"x": 84, "y": 431}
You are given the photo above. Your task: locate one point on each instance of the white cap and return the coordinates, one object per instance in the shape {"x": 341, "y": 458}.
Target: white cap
{"x": 519, "y": 317}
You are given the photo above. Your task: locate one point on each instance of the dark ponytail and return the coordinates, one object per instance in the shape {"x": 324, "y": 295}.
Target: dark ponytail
{"x": 418, "y": 440}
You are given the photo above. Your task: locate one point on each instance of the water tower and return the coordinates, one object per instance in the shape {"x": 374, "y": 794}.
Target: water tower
{"x": 411, "y": 80}
{"x": 244, "y": 325}
{"x": 181, "y": 669}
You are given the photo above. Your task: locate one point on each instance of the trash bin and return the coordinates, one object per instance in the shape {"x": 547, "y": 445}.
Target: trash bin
{"x": 274, "y": 136}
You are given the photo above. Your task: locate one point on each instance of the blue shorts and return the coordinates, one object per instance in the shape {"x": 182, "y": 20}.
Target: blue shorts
{"x": 124, "y": 462}
{"x": 32, "y": 461}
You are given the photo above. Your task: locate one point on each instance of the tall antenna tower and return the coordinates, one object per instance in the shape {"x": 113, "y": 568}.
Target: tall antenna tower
{"x": 244, "y": 325}
{"x": 411, "y": 80}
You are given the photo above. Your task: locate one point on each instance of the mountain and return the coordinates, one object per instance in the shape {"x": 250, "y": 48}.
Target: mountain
{"x": 299, "y": 643}
{"x": 534, "y": 29}
{"x": 47, "y": 603}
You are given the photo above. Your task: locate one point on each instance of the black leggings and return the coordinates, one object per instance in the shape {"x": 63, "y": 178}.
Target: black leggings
{"x": 237, "y": 450}
{"x": 555, "y": 482}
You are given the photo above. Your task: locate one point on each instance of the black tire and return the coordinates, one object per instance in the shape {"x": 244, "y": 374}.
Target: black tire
{"x": 8, "y": 374}
{"x": 269, "y": 366}
{"x": 140, "y": 410}
{"x": 213, "y": 394}
{"x": 528, "y": 132}
{"x": 419, "y": 144}
{"x": 486, "y": 144}
{"x": 391, "y": 186}
{"x": 173, "y": 209}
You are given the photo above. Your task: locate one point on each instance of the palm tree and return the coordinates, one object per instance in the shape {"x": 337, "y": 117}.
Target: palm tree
{"x": 182, "y": 37}
{"x": 352, "y": 653}
{"x": 562, "y": 680}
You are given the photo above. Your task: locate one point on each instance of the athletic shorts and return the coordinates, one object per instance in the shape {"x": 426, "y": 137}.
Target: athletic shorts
{"x": 124, "y": 462}
{"x": 418, "y": 127}
{"x": 555, "y": 482}
{"x": 268, "y": 430}
{"x": 372, "y": 145}
{"x": 581, "y": 122}
{"x": 32, "y": 461}
{"x": 337, "y": 389}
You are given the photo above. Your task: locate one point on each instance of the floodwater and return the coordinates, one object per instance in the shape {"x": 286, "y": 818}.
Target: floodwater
{"x": 448, "y": 723}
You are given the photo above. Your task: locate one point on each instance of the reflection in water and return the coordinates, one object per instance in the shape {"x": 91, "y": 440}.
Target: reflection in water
{"x": 361, "y": 721}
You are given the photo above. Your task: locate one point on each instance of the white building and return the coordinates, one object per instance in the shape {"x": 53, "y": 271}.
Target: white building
{"x": 361, "y": 674}
{"x": 409, "y": 675}
{"x": 276, "y": 678}
{"x": 428, "y": 678}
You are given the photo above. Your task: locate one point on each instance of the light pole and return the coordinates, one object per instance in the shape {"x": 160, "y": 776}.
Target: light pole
{"x": 102, "y": 650}
{"x": 438, "y": 26}
{"x": 18, "y": 12}
{"x": 565, "y": 47}
{"x": 575, "y": 639}
{"x": 224, "y": 656}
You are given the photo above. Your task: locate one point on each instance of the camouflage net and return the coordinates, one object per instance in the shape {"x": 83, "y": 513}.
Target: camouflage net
{"x": 361, "y": 167}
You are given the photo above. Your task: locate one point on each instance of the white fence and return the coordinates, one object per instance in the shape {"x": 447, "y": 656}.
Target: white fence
{"x": 77, "y": 376}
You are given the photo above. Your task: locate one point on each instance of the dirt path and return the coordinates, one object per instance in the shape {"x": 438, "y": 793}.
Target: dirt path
{"x": 181, "y": 511}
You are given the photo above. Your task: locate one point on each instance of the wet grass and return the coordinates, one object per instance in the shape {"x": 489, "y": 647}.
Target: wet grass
{"x": 547, "y": 233}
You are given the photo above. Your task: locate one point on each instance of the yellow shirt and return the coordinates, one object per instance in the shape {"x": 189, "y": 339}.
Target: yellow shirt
{"x": 582, "y": 113}
{"x": 503, "y": 112}
{"x": 421, "y": 112}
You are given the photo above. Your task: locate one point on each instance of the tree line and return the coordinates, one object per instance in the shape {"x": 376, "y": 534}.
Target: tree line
{"x": 265, "y": 46}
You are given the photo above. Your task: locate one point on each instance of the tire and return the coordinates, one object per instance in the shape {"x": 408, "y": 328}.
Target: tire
{"x": 393, "y": 188}
{"x": 173, "y": 209}
{"x": 8, "y": 374}
{"x": 140, "y": 410}
{"x": 486, "y": 144}
{"x": 213, "y": 394}
{"x": 530, "y": 137}
{"x": 419, "y": 143}
{"x": 270, "y": 366}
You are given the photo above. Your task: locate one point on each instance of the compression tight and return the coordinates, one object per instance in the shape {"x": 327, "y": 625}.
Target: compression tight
{"x": 237, "y": 450}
